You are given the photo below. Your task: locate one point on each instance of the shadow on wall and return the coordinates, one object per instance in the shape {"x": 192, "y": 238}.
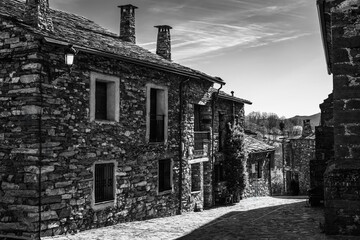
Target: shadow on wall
{"x": 289, "y": 221}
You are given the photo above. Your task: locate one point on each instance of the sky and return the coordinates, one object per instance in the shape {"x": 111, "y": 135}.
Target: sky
{"x": 267, "y": 51}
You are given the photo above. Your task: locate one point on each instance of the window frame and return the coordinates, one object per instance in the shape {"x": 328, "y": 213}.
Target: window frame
{"x": 113, "y": 96}
{"x": 259, "y": 170}
{"x": 199, "y": 184}
{"x": 110, "y": 203}
{"x": 150, "y": 86}
{"x": 167, "y": 191}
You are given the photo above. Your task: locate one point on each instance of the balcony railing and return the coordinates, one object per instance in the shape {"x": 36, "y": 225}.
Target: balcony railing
{"x": 156, "y": 128}
{"x": 201, "y": 143}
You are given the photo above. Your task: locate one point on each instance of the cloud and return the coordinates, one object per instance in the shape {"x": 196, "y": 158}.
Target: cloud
{"x": 167, "y": 9}
{"x": 208, "y": 35}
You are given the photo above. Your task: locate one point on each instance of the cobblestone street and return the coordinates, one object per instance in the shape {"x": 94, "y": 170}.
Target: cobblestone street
{"x": 253, "y": 218}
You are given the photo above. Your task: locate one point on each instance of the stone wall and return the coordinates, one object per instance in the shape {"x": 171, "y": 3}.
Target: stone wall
{"x": 256, "y": 187}
{"x": 85, "y": 142}
{"x": 342, "y": 208}
{"x": 303, "y": 152}
{"x": 44, "y": 105}
{"x": 224, "y": 114}
{"x": 49, "y": 144}
{"x": 20, "y": 106}
{"x": 324, "y": 146}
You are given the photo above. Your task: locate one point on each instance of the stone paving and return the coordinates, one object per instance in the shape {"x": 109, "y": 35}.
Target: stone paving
{"x": 253, "y": 218}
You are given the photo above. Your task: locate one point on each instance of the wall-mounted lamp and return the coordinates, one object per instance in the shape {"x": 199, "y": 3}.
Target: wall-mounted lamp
{"x": 70, "y": 53}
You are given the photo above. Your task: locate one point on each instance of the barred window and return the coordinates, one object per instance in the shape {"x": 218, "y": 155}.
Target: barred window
{"x": 104, "y": 182}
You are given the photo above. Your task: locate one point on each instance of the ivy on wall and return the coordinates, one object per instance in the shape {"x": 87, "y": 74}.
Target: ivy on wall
{"x": 234, "y": 164}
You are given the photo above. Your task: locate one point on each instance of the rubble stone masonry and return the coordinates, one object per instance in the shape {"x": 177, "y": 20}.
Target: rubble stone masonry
{"x": 20, "y": 106}
{"x": 342, "y": 177}
{"x": 46, "y": 137}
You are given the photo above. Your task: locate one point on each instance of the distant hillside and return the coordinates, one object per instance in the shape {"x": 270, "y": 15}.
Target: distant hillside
{"x": 314, "y": 119}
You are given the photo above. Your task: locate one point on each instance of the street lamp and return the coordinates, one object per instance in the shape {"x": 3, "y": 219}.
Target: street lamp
{"x": 70, "y": 53}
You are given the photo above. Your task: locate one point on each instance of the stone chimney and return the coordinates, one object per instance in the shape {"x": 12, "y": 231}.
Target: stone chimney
{"x": 163, "y": 45}
{"x": 306, "y": 128}
{"x": 37, "y": 14}
{"x": 127, "y": 23}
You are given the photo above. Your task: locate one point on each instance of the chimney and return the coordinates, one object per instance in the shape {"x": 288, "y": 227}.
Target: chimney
{"x": 37, "y": 14}
{"x": 127, "y": 23}
{"x": 306, "y": 128}
{"x": 163, "y": 45}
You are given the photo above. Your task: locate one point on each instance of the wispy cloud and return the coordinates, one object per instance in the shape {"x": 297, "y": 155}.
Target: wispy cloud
{"x": 229, "y": 29}
{"x": 162, "y": 9}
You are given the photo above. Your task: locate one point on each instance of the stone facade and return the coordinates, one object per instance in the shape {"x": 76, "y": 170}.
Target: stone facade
{"x": 258, "y": 177}
{"x": 260, "y": 159}
{"x": 340, "y": 27}
{"x": 324, "y": 150}
{"x": 298, "y": 152}
{"x": 227, "y": 111}
{"x": 52, "y": 142}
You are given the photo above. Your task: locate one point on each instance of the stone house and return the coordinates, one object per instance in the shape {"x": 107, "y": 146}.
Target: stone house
{"x": 339, "y": 21}
{"x": 228, "y": 111}
{"x": 259, "y": 159}
{"x": 298, "y": 152}
{"x": 123, "y": 134}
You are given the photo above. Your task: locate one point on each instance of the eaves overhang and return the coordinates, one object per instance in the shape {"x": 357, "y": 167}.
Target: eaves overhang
{"x": 321, "y": 13}
{"x": 235, "y": 99}
{"x": 134, "y": 61}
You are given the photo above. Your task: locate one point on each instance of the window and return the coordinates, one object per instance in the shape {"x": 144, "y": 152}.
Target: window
{"x": 195, "y": 177}
{"x": 259, "y": 169}
{"x": 101, "y": 101}
{"x": 157, "y": 113}
{"x": 201, "y": 136}
{"x": 104, "y": 97}
{"x": 197, "y": 123}
{"x": 165, "y": 175}
{"x": 104, "y": 182}
{"x": 222, "y": 132}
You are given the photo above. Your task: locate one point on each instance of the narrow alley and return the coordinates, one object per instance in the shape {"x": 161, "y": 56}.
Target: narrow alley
{"x": 253, "y": 218}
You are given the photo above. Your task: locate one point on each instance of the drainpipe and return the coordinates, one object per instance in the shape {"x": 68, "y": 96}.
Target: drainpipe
{"x": 181, "y": 144}
{"x": 214, "y": 99}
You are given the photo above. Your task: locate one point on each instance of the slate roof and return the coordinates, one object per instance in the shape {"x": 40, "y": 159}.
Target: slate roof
{"x": 227, "y": 96}
{"x": 252, "y": 145}
{"x": 80, "y": 31}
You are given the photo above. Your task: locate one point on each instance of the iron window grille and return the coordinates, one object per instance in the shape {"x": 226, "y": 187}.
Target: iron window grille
{"x": 104, "y": 182}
